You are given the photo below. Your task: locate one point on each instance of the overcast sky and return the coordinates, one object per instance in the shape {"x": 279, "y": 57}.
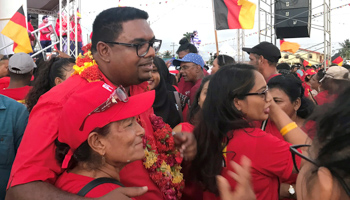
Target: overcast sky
{"x": 170, "y": 19}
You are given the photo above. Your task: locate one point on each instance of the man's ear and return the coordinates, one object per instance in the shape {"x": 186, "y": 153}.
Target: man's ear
{"x": 325, "y": 181}
{"x": 104, "y": 51}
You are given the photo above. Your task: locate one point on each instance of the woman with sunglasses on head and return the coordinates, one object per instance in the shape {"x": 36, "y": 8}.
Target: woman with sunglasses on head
{"x": 226, "y": 132}
{"x": 98, "y": 136}
{"x": 220, "y": 61}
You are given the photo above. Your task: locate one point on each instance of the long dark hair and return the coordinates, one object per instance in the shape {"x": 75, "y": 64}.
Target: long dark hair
{"x": 194, "y": 108}
{"x": 333, "y": 136}
{"x": 218, "y": 117}
{"x": 293, "y": 88}
{"x": 45, "y": 80}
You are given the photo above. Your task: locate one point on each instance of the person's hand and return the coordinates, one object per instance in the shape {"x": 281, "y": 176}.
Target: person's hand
{"x": 244, "y": 189}
{"x": 124, "y": 193}
{"x": 168, "y": 63}
{"x": 61, "y": 54}
{"x": 187, "y": 145}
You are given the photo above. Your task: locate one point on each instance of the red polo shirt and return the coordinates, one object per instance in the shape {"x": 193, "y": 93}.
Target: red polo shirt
{"x": 272, "y": 161}
{"x": 18, "y": 94}
{"x": 35, "y": 159}
{"x": 4, "y": 82}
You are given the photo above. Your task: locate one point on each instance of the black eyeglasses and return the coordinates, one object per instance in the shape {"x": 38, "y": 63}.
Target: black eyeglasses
{"x": 143, "y": 47}
{"x": 294, "y": 150}
{"x": 118, "y": 94}
{"x": 263, "y": 93}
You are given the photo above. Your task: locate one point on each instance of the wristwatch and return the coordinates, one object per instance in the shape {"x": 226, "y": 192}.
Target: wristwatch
{"x": 291, "y": 191}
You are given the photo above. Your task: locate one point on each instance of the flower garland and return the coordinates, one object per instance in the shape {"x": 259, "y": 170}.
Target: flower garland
{"x": 162, "y": 160}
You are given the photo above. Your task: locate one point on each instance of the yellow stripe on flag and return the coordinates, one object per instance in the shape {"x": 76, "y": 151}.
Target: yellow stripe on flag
{"x": 246, "y": 14}
{"x": 19, "y": 35}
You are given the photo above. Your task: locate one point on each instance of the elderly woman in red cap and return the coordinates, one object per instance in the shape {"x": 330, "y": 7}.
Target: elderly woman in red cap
{"x": 98, "y": 135}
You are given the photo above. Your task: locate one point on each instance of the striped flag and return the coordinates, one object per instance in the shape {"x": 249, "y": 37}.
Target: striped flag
{"x": 337, "y": 59}
{"x": 234, "y": 14}
{"x": 16, "y": 30}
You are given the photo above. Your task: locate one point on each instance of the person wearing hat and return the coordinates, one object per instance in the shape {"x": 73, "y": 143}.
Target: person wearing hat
{"x": 307, "y": 84}
{"x": 21, "y": 68}
{"x": 36, "y": 169}
{"x": 96, "y": 141}
{"x": 264, "y": 57}
{"x": 335, "y": 80}
{"x": 191, "y": 69}
{"x": 45, "y": 34}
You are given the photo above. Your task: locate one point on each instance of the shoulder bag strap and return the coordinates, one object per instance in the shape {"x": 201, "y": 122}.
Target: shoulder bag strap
{"x": 179, "y": 107}
{"x": 96, "y": 182}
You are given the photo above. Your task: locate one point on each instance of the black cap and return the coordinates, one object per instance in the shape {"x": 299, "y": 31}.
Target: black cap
{"x": 269, "y": 51}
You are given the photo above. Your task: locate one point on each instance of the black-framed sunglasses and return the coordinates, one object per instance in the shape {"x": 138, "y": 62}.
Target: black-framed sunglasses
{"x": 294, "y": 150}
{"x": 263, "y": 93}
{"x": 119, "y": 94}
{"x": 141, "y": 48}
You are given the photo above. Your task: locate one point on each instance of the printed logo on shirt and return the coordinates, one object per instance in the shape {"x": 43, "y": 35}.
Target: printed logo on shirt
{"x": 107, "y": 87}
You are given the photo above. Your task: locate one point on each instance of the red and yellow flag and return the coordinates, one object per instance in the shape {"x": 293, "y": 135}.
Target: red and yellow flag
{"x": 337, "y": 59}
{"x": 291, "y": 47}
{"x": 16, "y": 30}
{"x": 234, "y": 14}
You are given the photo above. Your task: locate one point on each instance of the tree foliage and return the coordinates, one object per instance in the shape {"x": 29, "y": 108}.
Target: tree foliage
{"x": 188, "y": 36}
{"x": 345, "y": 49}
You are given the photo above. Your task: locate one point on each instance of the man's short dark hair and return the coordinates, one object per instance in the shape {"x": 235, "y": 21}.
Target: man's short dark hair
{"x": 284, "y": 66}
{"x": 108, "y": 24}
{"x": 44, "y": 17}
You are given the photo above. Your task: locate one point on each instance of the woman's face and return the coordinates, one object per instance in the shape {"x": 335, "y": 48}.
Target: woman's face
{"x": 183, "y": 53}
{"x": 215, "y": 67}
{"x": 256, "y": 107}
{"x": 123, "y": 144}
{"x": 203, "y": 94}
{"x": 155, "y": 79}
{"x": 283, "y": 101}
{"x": 314, "y": 82}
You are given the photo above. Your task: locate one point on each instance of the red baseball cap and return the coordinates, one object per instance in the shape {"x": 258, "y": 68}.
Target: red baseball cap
{"x": 310, "y": 72}
{"x": 79, "y": 117}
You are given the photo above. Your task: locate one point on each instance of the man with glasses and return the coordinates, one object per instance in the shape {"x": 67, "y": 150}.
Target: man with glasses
{"x": 191, "y": 69}
{"x": 123, "y": 46}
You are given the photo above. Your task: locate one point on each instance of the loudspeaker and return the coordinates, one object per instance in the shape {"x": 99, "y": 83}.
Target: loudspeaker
{"x": 292, "y": 18}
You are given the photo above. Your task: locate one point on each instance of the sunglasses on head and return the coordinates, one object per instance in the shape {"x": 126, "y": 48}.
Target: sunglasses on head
{"x": 119, "y": 94}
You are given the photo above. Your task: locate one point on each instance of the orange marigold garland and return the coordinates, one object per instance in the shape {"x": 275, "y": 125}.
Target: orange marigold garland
{"x": 161, "y": 160}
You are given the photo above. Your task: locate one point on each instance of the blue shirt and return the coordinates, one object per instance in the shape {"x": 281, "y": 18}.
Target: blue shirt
{"x": 13, "y": 121}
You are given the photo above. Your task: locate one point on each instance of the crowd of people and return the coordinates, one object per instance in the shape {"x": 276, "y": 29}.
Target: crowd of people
{"x": 114, "y": 123}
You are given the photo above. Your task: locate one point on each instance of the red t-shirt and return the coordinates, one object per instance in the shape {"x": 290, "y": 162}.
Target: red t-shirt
{"x": 4, "y": 82}
{"x": 31, "y": 29}
{"x": 272, "y": 161}
{"x": 35, "y": 159}
{"x": 185, "y": 87}
{"x": 64, "y": 27}
{"x": 79, "y": 35}
{"x": 323, "y": 97}
{"x": 273, "y": 75}
{"x": 194, "y": 89}
{"x": 44, "y": 37}
{"x": 73, "y": 183}
{"x": 18, "y": 94}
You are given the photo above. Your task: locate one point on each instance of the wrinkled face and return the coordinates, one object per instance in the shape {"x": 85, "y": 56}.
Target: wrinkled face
{"x": 283, "y": 101}
{"x": 203, "y": 94}
{"x": 4, "y": 68}
{"x": 256, "y": 107}
{"x": 215, "y": 67}
{"x": 125, "y": 66}
{"x": 182, "y": 54}
{"x": 155, "y": 79}
{"x": 314, "y": 82}
{"x": 189, "y": 71}
{"x": 124, "y": 142}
